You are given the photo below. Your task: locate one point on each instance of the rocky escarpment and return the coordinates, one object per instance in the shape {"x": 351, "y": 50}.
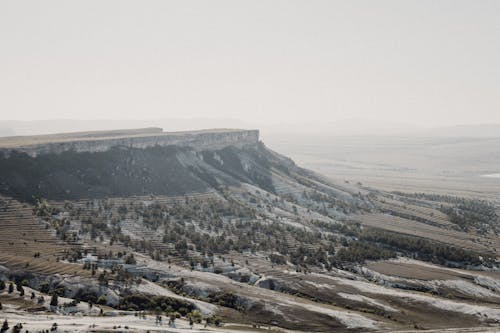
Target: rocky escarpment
{"x": 97, "y": 165}
{"x": 101, "y": 141}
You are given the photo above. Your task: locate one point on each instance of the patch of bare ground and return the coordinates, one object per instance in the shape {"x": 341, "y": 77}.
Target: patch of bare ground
{"x": 451, "y": 283}
{"x": 413, "y": 271}
{"x": 298, "y": 313}
{"x": 15, "y": 300}
{"x": 252, "y": 328}
{"x": 294, "y": 319}
{"x": 423, "y": 316}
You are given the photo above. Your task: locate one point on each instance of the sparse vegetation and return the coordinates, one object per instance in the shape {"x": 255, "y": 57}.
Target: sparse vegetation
{"x": 139, "y": 302}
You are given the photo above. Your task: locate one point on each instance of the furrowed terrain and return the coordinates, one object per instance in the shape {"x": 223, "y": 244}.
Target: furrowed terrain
{"x": 141, "y": 228}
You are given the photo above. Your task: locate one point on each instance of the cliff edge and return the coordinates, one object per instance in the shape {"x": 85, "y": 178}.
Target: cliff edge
{"x": 100, "y": 141}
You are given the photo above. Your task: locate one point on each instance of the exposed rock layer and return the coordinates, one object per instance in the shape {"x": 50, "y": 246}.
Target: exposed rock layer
{"x": 140, "y": 138}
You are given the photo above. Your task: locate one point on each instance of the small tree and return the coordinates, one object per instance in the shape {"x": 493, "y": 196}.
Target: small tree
{"x": 101, "y": 300}
{"x": 5, "y": 326}
{"x": 11, "y": 288}
{"x": 130, "y": 260}
{"x": 54, "y": 301}
{"x": 44, "y": 287}
{"x": 196, "y": 316}
{"x": 2, "y": 285}
{"x": 17, "y": 328}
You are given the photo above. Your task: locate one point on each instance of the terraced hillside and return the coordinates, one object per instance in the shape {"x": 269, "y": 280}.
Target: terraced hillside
{"x": 29, "y": 244}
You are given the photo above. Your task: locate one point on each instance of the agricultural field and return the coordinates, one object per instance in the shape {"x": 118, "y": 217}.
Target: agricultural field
{"x": 456, "y": 165}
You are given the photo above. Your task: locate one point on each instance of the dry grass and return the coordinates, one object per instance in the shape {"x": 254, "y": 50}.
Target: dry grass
{"x": 23, "y": 236}
{"x": 414, "y": 228}
{"x": 412, "y": 271}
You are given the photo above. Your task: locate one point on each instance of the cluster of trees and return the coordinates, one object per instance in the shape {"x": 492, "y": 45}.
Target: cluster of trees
{"x": 86, "y": 295}
{"x": 359, "y": 251}
{"x": 473, "y": 214}
{"x": 433, "y": 197}
{"x": 425, "y": 249}
{"x": 212, "y": 227}
{"x": 44, "y": 287}
{"x": 43, "y": 209}
{"x": 16, "y": 329}
{"x": 227, "y": 299}
{"x": 140, "y": 302}
{"x": 19, "y": 286}
{"x": 277, "y": 259}
{"x": 466, "y": 213}
{"x": 221, "y": 226}
{"x": 222, "y": 298}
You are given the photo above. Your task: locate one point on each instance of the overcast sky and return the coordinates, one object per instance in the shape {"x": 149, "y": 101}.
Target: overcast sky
{"x": 420, "y": 62}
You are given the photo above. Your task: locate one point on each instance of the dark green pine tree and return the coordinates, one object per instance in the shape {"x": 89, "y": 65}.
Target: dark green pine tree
{"x": 5, "y": 326}
{"x": 54, "y": 301}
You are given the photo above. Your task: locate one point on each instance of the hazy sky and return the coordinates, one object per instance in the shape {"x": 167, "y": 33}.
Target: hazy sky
{"x": 422, "y": 62}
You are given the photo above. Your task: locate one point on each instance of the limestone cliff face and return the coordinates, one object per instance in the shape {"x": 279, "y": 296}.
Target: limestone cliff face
{"x": 128, "y": 163}
{"x": 198, "y": 140}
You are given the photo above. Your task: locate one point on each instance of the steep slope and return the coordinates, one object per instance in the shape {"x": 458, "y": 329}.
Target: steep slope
{"x": 154, "y": 169}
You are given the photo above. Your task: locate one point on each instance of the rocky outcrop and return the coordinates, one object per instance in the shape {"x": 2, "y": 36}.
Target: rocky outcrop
{"x": 177, "y": 164}
{"x": 104, "y": 141}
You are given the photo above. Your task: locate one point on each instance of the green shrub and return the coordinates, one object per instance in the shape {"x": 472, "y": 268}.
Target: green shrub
{"x": 101, "y": 300}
